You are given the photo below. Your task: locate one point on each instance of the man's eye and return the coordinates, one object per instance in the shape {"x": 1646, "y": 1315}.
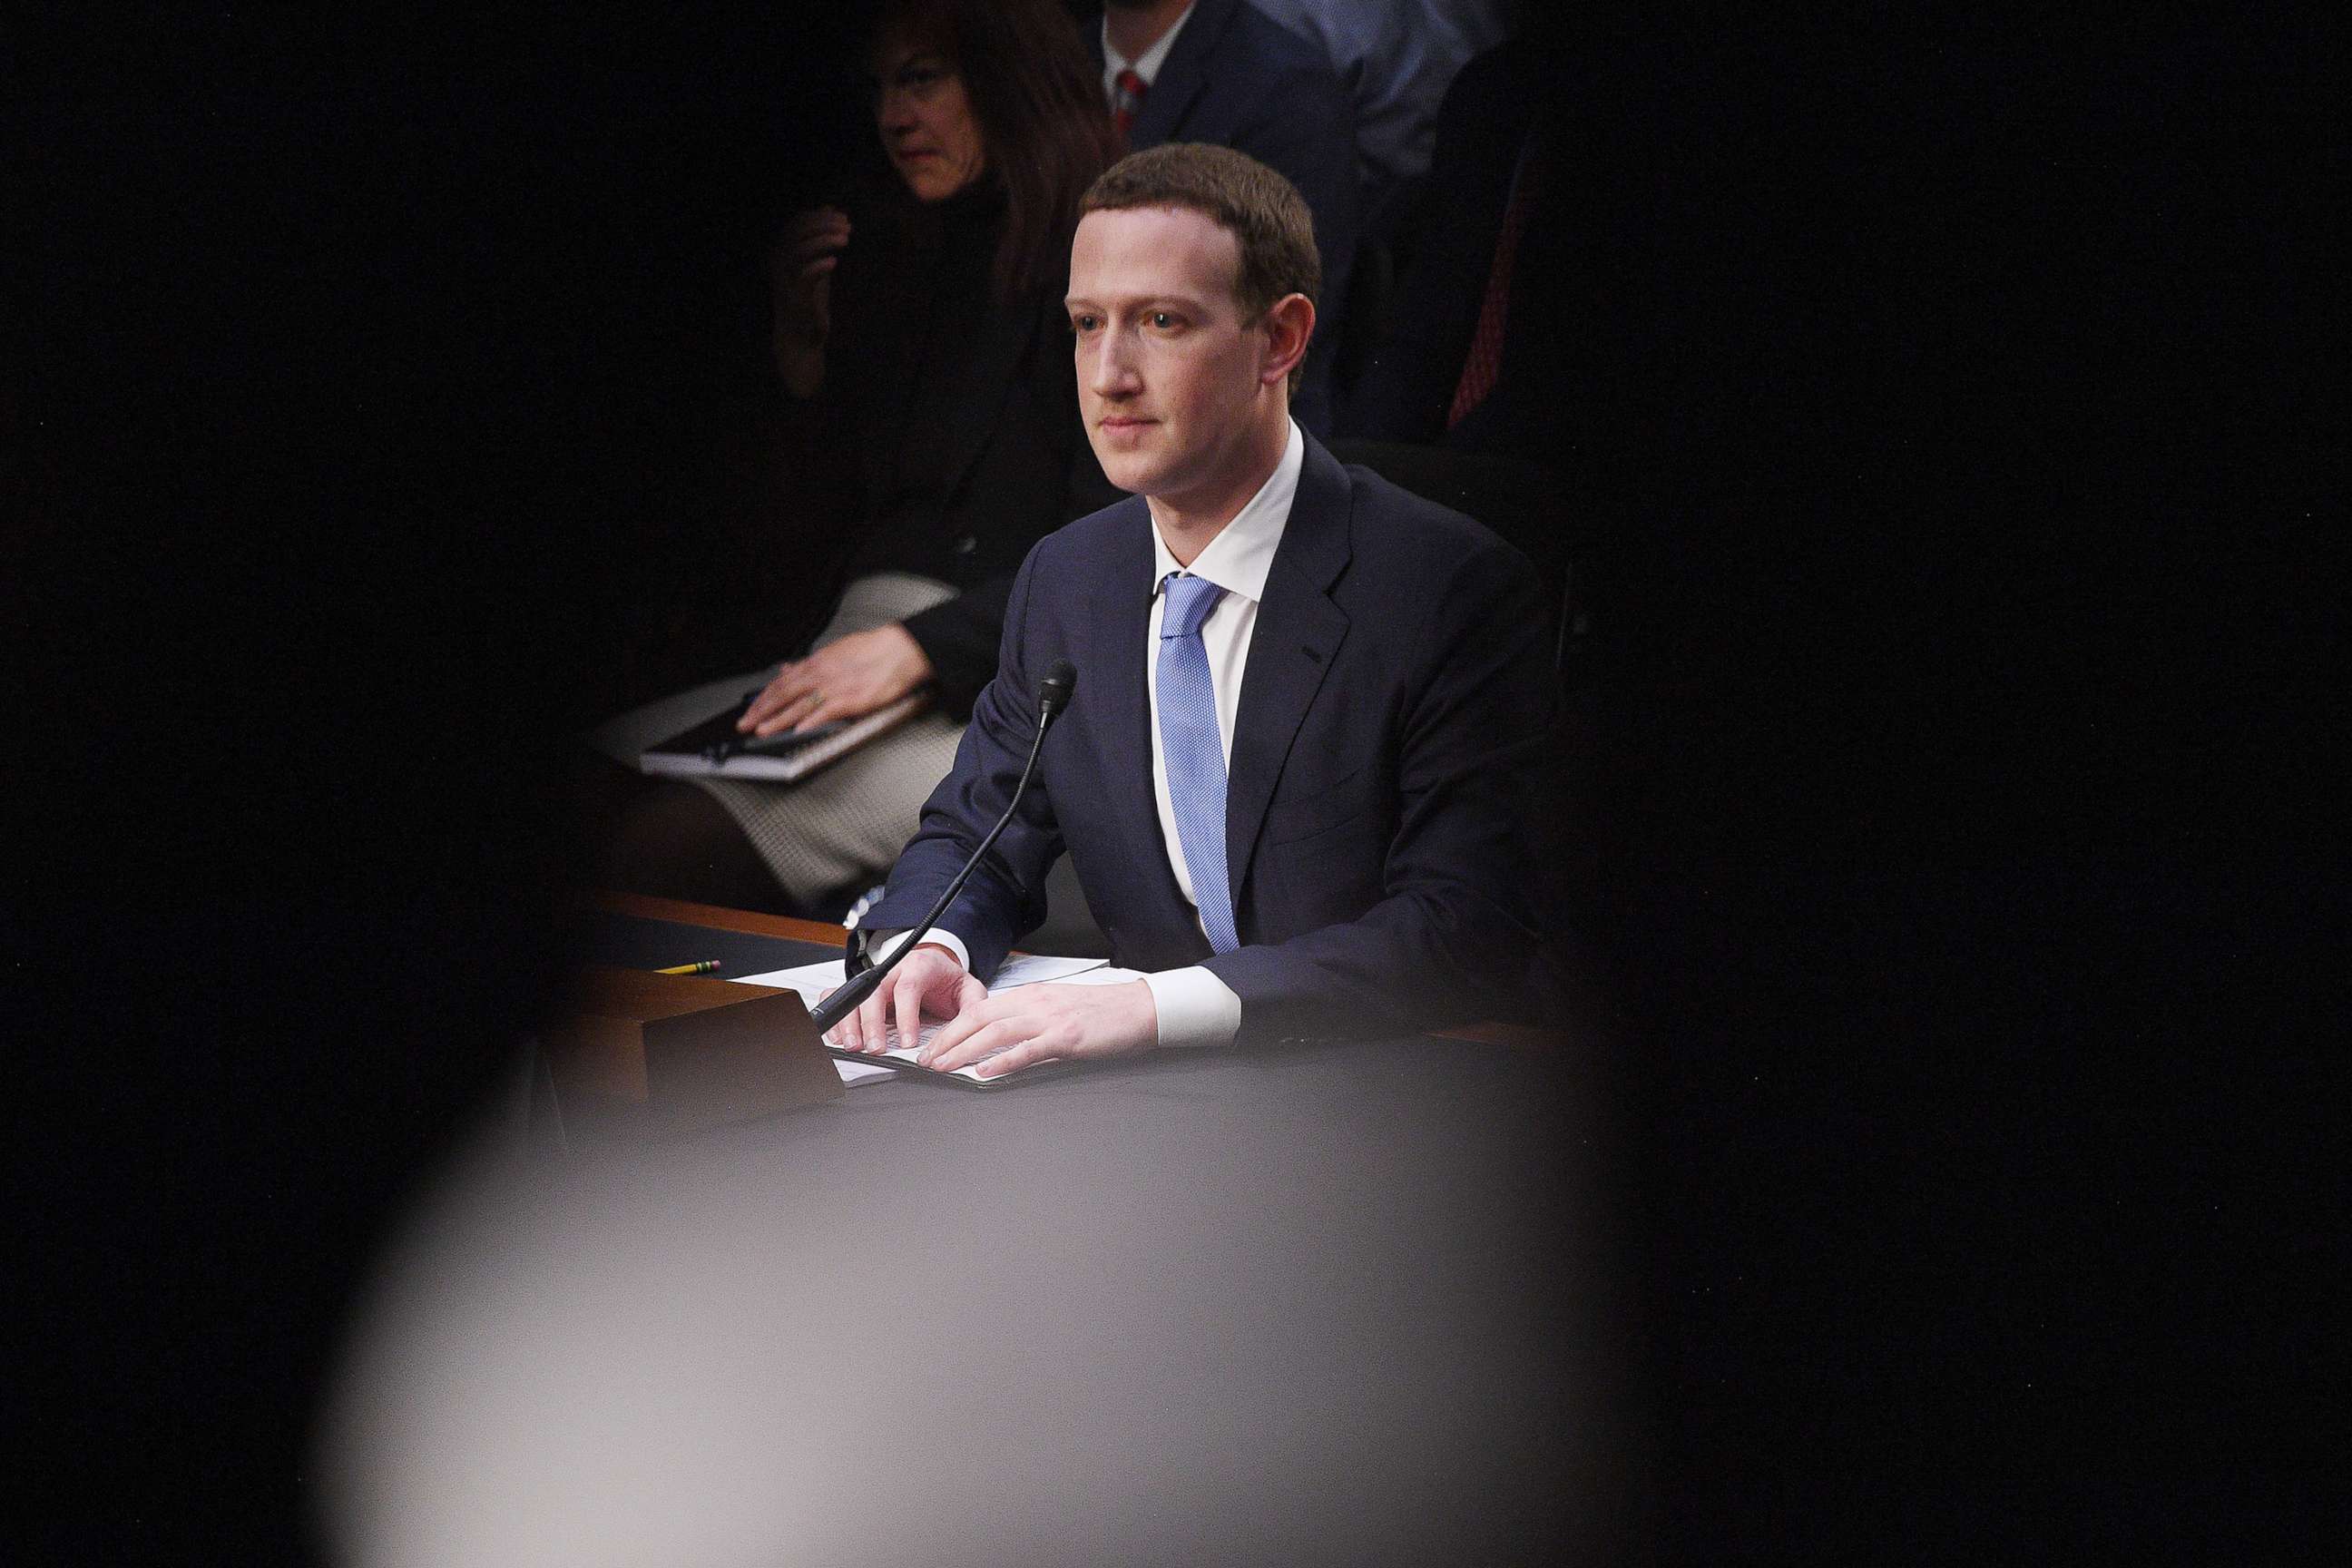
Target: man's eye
{"x": 1163, "y": 321}
{"x": 1082, "y": 323}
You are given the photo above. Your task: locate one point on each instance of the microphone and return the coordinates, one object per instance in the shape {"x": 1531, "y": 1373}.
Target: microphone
{"x": 1054, "y": 694}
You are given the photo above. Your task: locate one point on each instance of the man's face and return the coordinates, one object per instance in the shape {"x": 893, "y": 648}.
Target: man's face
{"x": 1169, "y": 376}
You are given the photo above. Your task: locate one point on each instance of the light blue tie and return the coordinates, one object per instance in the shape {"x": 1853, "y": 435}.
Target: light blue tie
{"x": 1191, "y": 751}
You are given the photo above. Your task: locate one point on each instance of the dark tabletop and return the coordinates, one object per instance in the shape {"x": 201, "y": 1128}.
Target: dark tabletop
{"x": 1342, "y": 1303}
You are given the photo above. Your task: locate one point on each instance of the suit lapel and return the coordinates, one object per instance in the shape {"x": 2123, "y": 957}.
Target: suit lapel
{"x": 1298, "y": 634}
{"x": 1122, "y": 609}
{"x": 1182, "y": 74}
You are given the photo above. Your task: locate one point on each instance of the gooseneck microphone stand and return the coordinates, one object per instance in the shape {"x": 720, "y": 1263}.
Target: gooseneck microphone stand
{"x": 1054, "y": 694}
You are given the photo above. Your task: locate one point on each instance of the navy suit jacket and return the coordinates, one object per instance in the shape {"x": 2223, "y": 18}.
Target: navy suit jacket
{"x": 1236, "y": 78}
{"x": 1386, "y": 762}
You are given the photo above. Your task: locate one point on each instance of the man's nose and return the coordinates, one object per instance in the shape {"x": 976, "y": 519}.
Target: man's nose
{"x": 1111, "y": 365}
{"x": 894, "y": 111}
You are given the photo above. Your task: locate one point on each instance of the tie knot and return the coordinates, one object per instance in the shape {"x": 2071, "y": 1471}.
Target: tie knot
{"x": 1128, "y": 100}
{"x": 1189, "y": 600}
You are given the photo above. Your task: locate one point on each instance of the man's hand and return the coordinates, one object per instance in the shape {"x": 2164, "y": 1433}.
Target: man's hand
{"x": 844, "y": 679}
{"x": 1047, "y": 1023}
{"x": 929, "y": 981}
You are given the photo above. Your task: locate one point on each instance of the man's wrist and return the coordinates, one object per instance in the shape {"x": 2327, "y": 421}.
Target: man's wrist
{"x": 881, "y": 945}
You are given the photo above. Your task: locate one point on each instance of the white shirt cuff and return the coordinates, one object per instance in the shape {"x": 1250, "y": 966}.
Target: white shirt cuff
{"x": 1196, "y": 1007}
{"x": 881, "y": 945}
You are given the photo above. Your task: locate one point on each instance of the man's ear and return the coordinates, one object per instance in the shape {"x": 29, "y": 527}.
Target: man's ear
{"x": 1289, "y": 323}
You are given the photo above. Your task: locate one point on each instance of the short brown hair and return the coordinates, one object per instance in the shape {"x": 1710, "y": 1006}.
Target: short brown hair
{"x": 1264, "y": 211}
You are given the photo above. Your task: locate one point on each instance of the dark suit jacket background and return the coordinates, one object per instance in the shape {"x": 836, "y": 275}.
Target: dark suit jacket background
{"x": 1536, "y": 408}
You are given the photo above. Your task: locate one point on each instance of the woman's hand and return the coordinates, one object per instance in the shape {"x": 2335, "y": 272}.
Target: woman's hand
{"x": 844, "y": 679}
{"x": 800, "y": 271}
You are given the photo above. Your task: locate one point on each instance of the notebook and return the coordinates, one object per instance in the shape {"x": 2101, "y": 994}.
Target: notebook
{"x": 714, "y": 748}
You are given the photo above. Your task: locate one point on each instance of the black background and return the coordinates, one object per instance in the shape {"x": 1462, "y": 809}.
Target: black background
{"x": 368, "y": 387}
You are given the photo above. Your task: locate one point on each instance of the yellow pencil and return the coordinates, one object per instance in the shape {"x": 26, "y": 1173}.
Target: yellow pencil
{"x": 701, "y": 966}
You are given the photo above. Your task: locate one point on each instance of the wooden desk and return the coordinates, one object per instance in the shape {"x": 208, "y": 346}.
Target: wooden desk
{"x": 783, "y": 928}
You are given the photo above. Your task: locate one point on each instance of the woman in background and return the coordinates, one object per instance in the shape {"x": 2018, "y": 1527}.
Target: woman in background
{"x": 929, "y": 338}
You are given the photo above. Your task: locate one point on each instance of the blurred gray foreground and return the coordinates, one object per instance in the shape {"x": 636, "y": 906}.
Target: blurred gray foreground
{"x": 1332, "y": 1304}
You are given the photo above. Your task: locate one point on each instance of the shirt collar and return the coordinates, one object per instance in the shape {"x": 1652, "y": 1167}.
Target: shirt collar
{"x": 1148, "y": 67}
{"x": 1238, "y": 559}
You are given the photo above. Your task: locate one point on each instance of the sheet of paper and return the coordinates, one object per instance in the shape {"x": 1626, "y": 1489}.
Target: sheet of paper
{"x": 1090, "y": 972}
{"x": 814, "y": 979}
{"x": 1030, "y": 968}
{"x": 1103, "y": 974}
{"x": 811, "y": 980}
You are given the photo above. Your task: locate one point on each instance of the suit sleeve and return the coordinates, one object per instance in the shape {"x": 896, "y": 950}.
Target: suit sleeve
{"x": 1450, "y": 937}
{"x": 959, "y": 636}
{"x": 1005, "y": 898}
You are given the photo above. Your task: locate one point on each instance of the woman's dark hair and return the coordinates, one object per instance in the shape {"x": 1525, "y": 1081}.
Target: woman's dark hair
{"x": 1038, "y": 102}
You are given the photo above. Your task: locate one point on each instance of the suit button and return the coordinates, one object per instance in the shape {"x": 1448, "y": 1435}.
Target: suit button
{"x": 965, "y": 545}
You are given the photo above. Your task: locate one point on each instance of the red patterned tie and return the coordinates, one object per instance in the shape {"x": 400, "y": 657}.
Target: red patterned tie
{"x": 1486, "y": 361}
{"x": 1131, "y": 88}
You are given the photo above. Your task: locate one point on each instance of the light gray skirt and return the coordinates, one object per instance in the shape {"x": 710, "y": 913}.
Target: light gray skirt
{"x": 844, "y": 822}
{"x": 848, "y": 821}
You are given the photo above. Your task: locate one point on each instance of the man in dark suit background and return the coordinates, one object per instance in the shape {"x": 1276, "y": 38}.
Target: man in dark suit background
{"x": 1309, "y": 706}
{"x": 1499, "y": 257}
{"x": 1224, "y": 71}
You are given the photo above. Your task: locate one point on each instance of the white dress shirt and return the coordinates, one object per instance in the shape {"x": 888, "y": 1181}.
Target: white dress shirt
{"x": 1196, "y": 1007}
{"x": 1147, "y": 66}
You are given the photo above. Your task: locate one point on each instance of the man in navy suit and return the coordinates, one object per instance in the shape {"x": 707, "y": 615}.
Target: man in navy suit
{"x": 1224, "y": 71}
{"x": 1303, "y": 747}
